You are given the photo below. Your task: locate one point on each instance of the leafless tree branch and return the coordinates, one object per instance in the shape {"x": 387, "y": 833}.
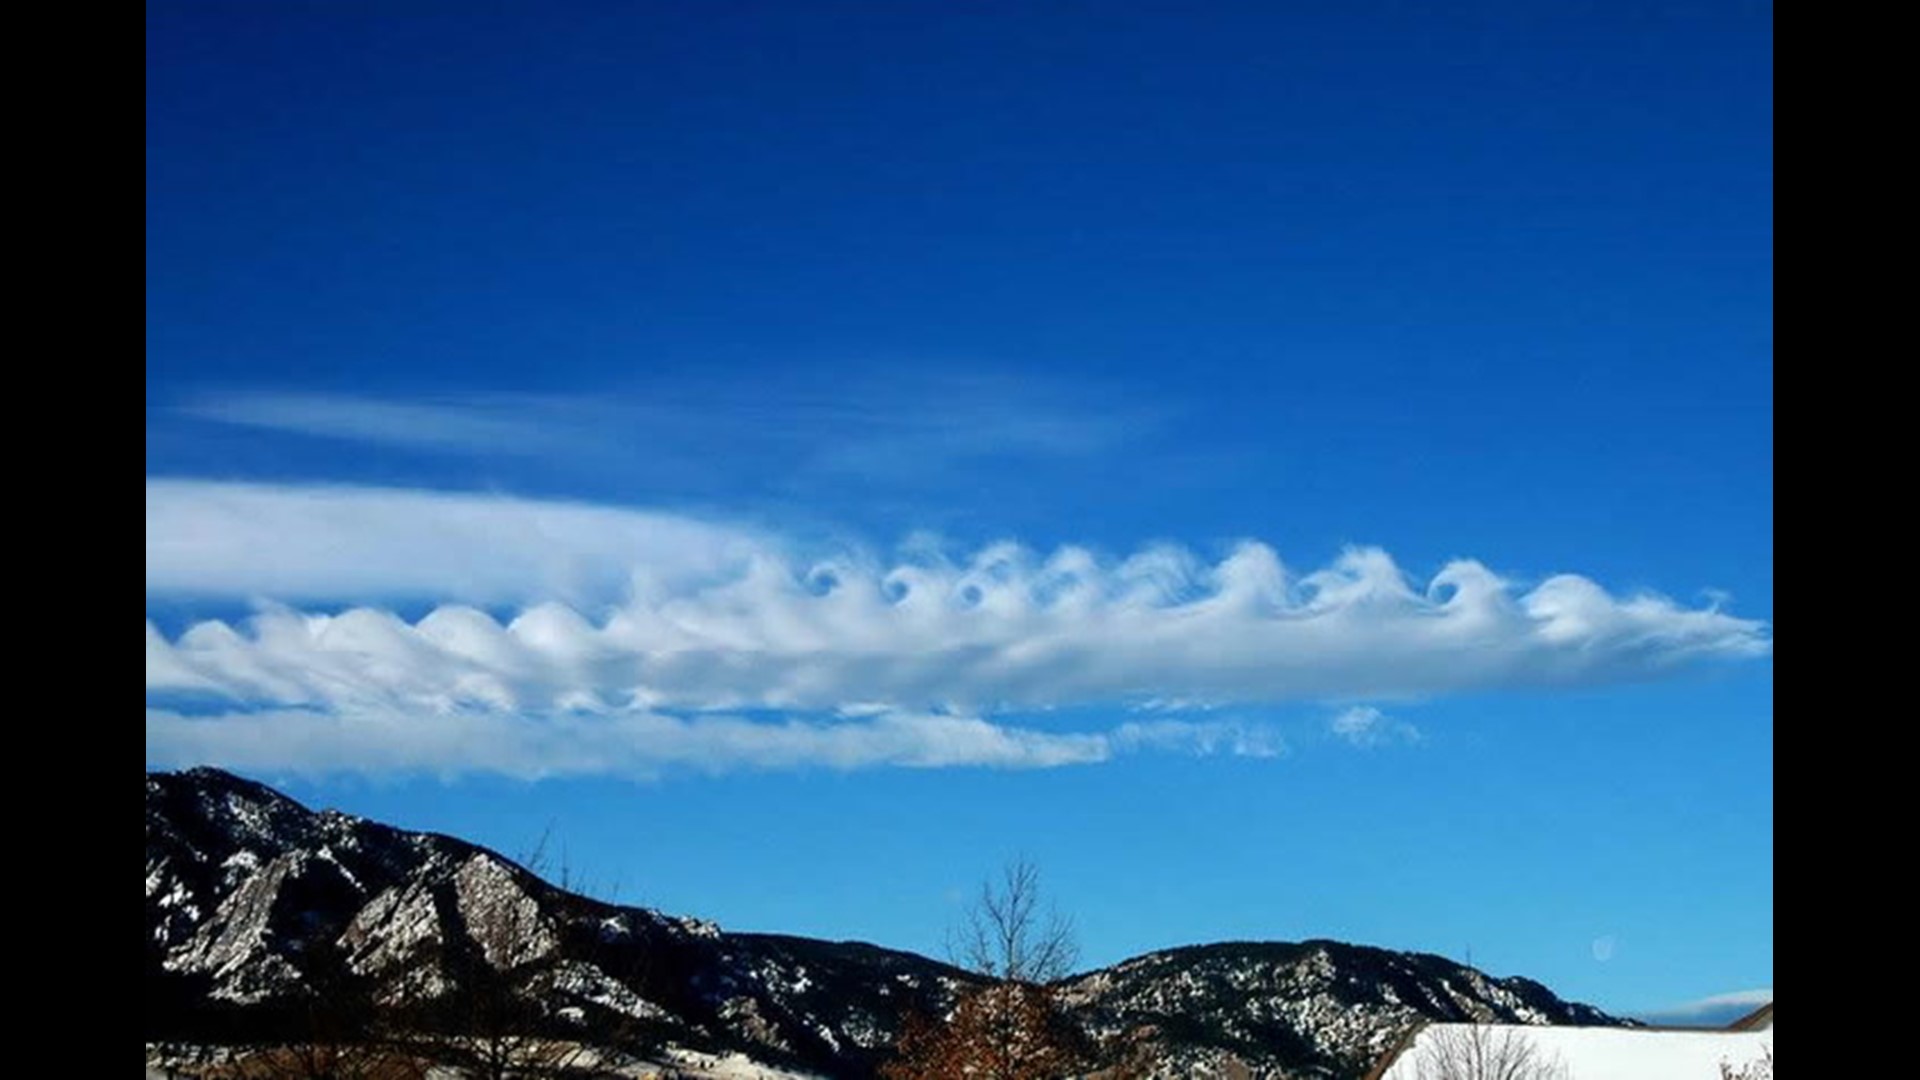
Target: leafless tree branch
{"x": 1006, "y": 935}
{"x": 1483, "y": 1052}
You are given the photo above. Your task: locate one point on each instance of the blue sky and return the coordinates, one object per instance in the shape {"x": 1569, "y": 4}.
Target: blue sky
{"x": 1289, "y": 472}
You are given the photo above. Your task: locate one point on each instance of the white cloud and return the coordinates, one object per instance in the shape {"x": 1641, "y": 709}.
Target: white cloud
{"x": 876, "y": 422}
{"x": 1754, "y": 998}
{"x": 346, "y": 543}
{"x": 628, "y": 614}
{"x": 642, "y": 743}
{"x": 1716, "y": 1010}
{"x": 437, "y": 425}
{"x": 668, "y": 611}
{"x": 1200, "y": 738}
{"x": 1366, "y": 726}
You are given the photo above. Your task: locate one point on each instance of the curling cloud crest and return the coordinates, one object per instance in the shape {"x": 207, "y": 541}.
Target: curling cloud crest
{"x": 621, "y": 618}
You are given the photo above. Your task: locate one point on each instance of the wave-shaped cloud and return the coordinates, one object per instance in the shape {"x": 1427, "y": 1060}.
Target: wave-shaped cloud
{"x": 665, "y": 612}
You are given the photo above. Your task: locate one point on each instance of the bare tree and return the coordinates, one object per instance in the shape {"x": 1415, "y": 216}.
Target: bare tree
{"x": 1009, "y": 1026}
{"x": 359, "y": 1060}
{"x": 1483, "y": 1052}
{"x": 1760, "y": 1068}
{"x": 997, "y": 1031}
{"x": 1005, "y": 936}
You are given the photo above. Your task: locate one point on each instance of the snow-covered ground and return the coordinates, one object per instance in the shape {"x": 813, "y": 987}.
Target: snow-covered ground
{"x": 727, "y": 1067}
{"x": 1596, "y": 1053}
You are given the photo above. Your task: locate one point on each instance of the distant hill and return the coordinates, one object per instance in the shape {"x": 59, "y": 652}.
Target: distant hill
{"x": 257, "y": 906}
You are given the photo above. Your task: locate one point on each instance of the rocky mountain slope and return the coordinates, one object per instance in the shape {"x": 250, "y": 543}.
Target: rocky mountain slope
{"x": 257, "y": 908}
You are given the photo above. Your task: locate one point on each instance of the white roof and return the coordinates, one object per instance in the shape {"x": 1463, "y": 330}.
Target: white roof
{"x": 1598, "y": 1053}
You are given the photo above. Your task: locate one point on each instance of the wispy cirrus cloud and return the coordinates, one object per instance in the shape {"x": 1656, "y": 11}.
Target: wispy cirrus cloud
{"x": 664, "y": 614}
{"x": 828, "y": 423}
{"x": 463, "y": 425}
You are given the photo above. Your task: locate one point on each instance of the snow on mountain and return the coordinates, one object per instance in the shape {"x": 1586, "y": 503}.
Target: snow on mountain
{"x": 258, "y": 907}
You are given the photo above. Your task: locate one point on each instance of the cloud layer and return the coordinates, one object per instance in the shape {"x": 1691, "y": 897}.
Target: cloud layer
{"x": 621, "y": 618}
{"x": 647, "y": 744}
{"x": 354, "y": 543}
{"x": 811, "y": 427}
{"x": 1715, "y": 1011}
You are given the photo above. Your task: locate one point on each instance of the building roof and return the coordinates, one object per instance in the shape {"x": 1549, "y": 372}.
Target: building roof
{"x": 1592, "y": 1053}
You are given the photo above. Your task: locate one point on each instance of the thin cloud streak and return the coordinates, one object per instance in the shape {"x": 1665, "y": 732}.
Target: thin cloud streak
{"x": 465, "y": 426}
{"x": 646, "y": 745}
{"x": 809, "y": 427}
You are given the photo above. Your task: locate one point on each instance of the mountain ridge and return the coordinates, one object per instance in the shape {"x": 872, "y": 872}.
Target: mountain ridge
{"x": 253, "y": 898}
